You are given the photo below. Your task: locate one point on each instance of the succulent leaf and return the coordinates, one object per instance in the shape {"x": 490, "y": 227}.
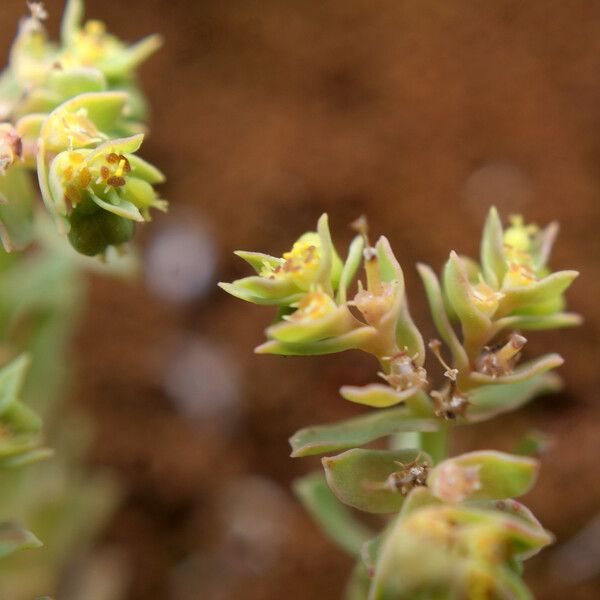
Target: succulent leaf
{"x": 358, "y": 477}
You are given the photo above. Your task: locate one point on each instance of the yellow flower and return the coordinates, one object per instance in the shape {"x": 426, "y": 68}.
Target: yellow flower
{"x": 313, "y": 306}
{"x": 300, "y": 265}
{"x": 484, "y": 297}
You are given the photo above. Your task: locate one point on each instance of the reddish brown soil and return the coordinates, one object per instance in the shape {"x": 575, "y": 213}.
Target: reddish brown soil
{"x": 419, "y": 114}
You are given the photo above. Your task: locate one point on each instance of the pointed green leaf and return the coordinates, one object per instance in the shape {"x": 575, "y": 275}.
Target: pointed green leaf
{"x": 144, "y": 170}
{"x": 458, "y": 289}
{"x": 119, "y": 207}
{"x": 335, "y": 323}
{"x": 355, "y": 254}
{"x": 357, "y": 431}
{"x": 71, "y": 21}
{"x": 493, "y": 262}
{"x": 536, "y": 293}
{"x": 243, "y": 293}
{"x": 130, "y": 58}
{"x": 522, "y": 372}
{"x": 375, "y": 395}
{"x": 555, "y": 321}
{"x": 440, "y": 318}
{"x": 491, "y": 400}
{"x": 356, "y": 339}
{"x": 258, "y": 260}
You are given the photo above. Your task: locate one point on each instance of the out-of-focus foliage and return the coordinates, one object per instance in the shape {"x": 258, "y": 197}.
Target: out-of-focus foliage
{"x": 72, "y": 114}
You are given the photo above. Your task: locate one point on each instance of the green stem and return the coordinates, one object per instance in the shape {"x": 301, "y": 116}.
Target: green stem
{"x": 436, "y": 443}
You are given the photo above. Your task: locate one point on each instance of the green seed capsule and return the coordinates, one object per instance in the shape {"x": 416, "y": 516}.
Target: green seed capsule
{"x": 94, "y": 229}
{"x": 117, "y": 230}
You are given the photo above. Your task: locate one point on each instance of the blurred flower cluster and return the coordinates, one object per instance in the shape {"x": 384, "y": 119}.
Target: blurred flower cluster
{"x": 457, "y": 530}
{"x": 74, "y": 113}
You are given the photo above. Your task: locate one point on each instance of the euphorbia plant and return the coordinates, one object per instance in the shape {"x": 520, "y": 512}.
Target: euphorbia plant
{"x": 455, "y": 530}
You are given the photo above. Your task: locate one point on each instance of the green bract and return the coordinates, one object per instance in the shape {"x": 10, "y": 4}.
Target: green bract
{"x": 457, "y": 532}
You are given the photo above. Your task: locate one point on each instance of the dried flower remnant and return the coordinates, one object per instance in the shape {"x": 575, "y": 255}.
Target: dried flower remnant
{"x": 456, "y": 483}
{"x": 501, "y": 361}
{"x": 11, "y": 147}
{"x": 410, "y": 476}
{"x": 449, "y": 403}
{"x": 404, "y": 373}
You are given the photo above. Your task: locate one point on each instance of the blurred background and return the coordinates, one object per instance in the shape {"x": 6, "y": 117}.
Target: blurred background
{"x": 419, "y": 114}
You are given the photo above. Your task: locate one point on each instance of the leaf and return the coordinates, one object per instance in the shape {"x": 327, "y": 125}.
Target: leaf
{"x": 356, "y": 477}
{"x": 244, "y": 294}
{"x": 533, "y": 322}
{"x": 71, "y": 21}
{"x": 258, "y": 260}
{"x": 355, "y": 254}
{"x": 408, "y": 336}
{"x": 12, "y": 377}
{"x": 332, "y": 324}
{"x": 129, "y": 59}
{"x": 485, "y": 474}
{"x": 16, "y": 209}
{"x": 14, "y": 538}
{"x": 440, "y": 318}
{"x": 389, "y": 267}
{"x": 261, "y": 290}
{"x": 522, "y": 372}
{"x": 330, "y": 267}
{"x": 144, "y": 170}
{"x": 357, "y": 339}
{"x": 457, "y": 287}
{"x": 491, "y": 400}
{"x": 72, "y": 82}
{"x": 126, "y": 145}
{"x": 357, "y": 431}
{"x": 493, "y": 262}
{"x": 376, "y": 395}
{"x": 333, "y": 518}
{"x": 119, "y": 206}
{"x": 536, "y": 293}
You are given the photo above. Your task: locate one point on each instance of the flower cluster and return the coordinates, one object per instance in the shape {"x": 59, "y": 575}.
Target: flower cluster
{"x": 458, "y": 529}
{"x": 74, "y": 113}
